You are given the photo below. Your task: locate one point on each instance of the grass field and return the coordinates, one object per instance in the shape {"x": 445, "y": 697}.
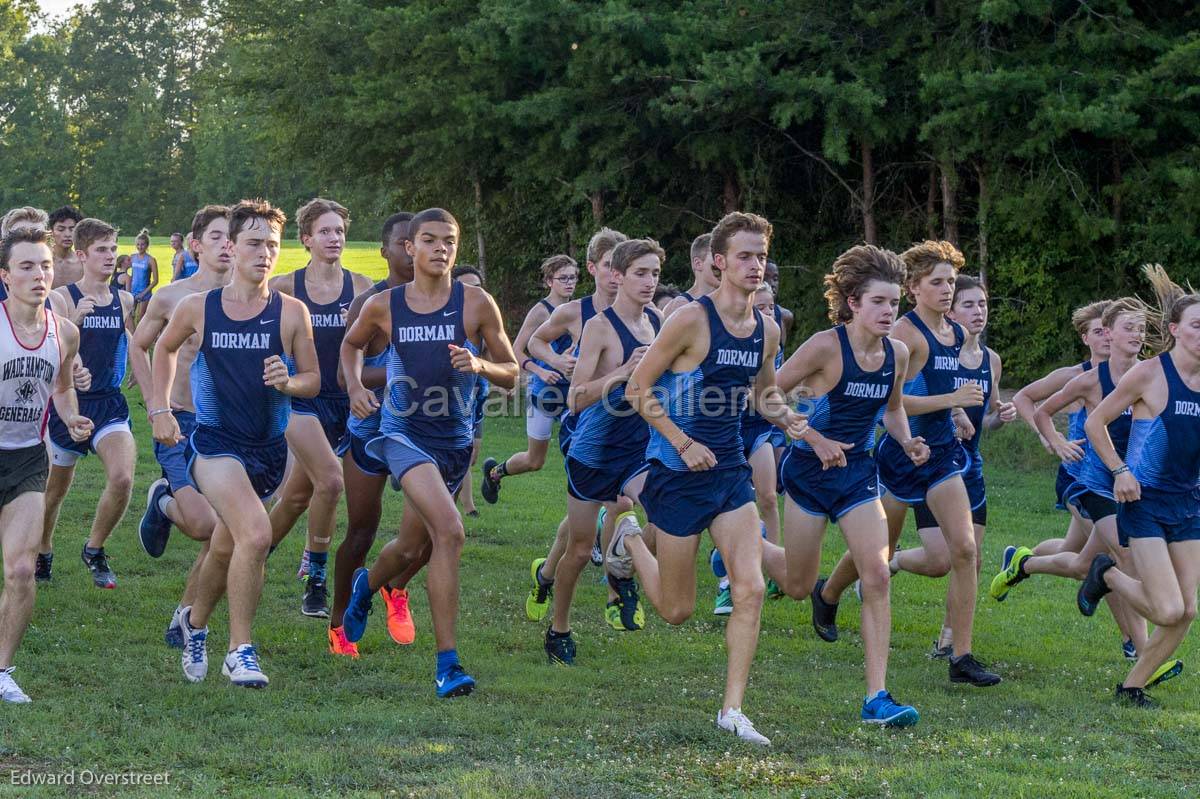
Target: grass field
{"x": 633, "y": 718}
{"x": 359, "y": 256}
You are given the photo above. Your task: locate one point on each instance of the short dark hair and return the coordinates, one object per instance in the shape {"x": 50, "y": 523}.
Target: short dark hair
{"x": 554, "y": 263}
{"x": 665, "y": 290}
{"x": 247, "y": 210}
{"x": 204, "y": 218}
{"x": 431, "y": 215}
{"x": 89, "y": 231}
{"x": 20, "y": 235}
{"x": 391, "y": 222}
{"x": 625, "y": 253}
{"x": 466, "y": 269}
{"x": 66, "y": 212}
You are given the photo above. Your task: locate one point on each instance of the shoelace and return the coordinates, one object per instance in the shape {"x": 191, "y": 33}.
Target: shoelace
{"x": 739, "y": 721}
{"x": 248, "y": 658}
{"x": 196, "y": 646}
{"x": 99, "y": 561}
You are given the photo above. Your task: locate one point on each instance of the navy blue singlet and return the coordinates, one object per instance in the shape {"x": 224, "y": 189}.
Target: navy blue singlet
{"x": 1164, "y": 452}
{"x": 936, "y": 377}
{"x": 849, "y": 411}
{"x": 329, "y": 328}
{"x": 982, "y": 375}
{"x": 559, "y": 345}
{"x": 103, "y": 344}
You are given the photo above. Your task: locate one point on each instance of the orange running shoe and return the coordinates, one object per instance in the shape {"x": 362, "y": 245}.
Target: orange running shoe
{"x": 399, "y": 620}
{"x": 338, "y": 645}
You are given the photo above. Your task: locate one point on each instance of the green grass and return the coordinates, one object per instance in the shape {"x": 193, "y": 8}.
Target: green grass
{"x": 635, "y": 717}
{"x": 359, "y": 256}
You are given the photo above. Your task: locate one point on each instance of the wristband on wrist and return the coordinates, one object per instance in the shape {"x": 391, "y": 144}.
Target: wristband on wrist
{"x": 1124, "y": 467}
{"x": 525, "y": 363}
{"x": 156, "y": 412}
{"x": 685, "y": 446}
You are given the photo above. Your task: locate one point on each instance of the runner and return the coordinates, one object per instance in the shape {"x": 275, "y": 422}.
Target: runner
{"x": 143, "y": 274}
{"x": 704, "y": 281}
{"x": 35, "y": 348}
{"x": 183, "y": 263}
{"x": 471, "y": 276}
{"x": 62, "y": 222}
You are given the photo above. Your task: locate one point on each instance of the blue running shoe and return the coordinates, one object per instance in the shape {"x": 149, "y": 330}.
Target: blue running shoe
{"x": 454, "y": 682}
{"x": 174, "y": 633}
{"x": 882, "y": 709}
{"x": 155, "y": 528}
{"x": 717, "y": 564}
{"x": 355, "y": 619}
{"x": 1129, "y": 650}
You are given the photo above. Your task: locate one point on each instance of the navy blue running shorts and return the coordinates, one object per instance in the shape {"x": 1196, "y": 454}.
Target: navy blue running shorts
{"x": 590, "y": 484}
{"x": 174, "y": 460}
{"x": 402, "y": 454}
{"x": 907, "y": 482}
{"x": 264, "y": 462}
{"x": 685, "y": 503}
{"x": 357, "y": 449}
{"x": 331, "y": 411}
{"x": 828, "y": 492}
{"x": 976, "y": 495}
{"x": 1169, "y": 515}
{"x": 109, "y": 414}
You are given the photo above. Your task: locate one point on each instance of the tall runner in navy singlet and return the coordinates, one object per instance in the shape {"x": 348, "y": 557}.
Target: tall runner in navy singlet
{"x": 316, "y": 425}
{"x": 104, "y": 318}
{"x": 546, "y": 400}
{"x": 36, "y": 349}
{"x": 608, "y": 447}
{"x": 365, "y": 476}
{"x": 931, "y": 400}
{"x": 238, "y": 447}
{"x": 982, "y": 366}
{"x": 567, "y": 321}
{"x": 854, "y": 373}
{"x": 471, "y": 276}
{"x": 1092, "y": 493}
{"x": 704, "y": 279}
{"x": 67, "y": 267}
{"x": 434, "y": 326}
{"x": 174, "y": 499}
{"x": 1156, "y": 486}
{"x": 691, "y": 386}
{"x": 1087, "y": 323}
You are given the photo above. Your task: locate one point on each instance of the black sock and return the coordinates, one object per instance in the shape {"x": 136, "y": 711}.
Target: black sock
{"x": 501, "y": 470}
{"x": 542, "y": 581}
{"x": 552, "y": 633}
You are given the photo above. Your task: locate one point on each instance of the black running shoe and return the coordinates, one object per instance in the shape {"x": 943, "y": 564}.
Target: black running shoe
{"x": 490, "y": 486}
{"x": 969, "y": 670}
{"x": 97, "y": 563}
{"x": 1136, "y": 697}
{"x": 315, "y": 599}
{"x": 940, "y": 652}
{"x": 45, "y": 567}
{"x": 824, "y": 614}
{"x": 1093, "y": 588}
{"x": 632, "y": 615}
{"x": 560, "y": 647}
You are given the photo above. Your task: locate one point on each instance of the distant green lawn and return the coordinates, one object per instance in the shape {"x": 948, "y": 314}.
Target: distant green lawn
{"x": 359, "y": 256}
{"x": 634, "y": 717}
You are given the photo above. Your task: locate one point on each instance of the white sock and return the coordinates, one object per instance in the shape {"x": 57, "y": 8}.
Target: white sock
{"x": 721, "y": 586}
{"x": 164, "y": 502}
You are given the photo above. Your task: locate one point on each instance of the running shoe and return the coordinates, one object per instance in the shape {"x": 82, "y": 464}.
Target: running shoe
{"x": 560, "y": 647}
{"x": 302, "y": 572}
{"x": 612, "y": 614}
{"x": 155, "y": 528}
{"x": 538, "y": 602}
{"x": 315, "y": 602}
{"x": 632, "y": 616}
{"x": 1093, "y": 588}
{"x": 241, "y": 667}
{"x": 734, "y": 721}
{"x": 489, "y": 486}
{"x": 884, "y": 710}
{"x": 97, "y": 563}
{"x": 399, "y": 619}
{"x": 1167, "y": 671}
{"x": 45, "y": 567}
{"x": 338, "y": 645}
{"x": 1129, "y": 650}
{"x": 454, "y": 682}
{"x": 9, "y": 690}
{"x": 824, "y": 614}
{"x": 940, "y": 652}
{"x": 1012, "y": 573}
{"x": 966, "y": 669}
{"x": 723, "y": 606}
{"x": 1136, "y": 697}
{"x": 195, "y": 648}
{"x": 597, "y": 549}
{"x": 773, "y": 590}
{"x": 173, "y": 637}
{"x": 858, "y": 589}
{"x": 618, "y": 559}
{"x": 717, "y": 564}
{"x": 354, "y": 620}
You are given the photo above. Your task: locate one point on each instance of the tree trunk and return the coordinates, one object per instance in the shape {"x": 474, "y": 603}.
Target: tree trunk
{"x": 931, "y": 204}
{"x": 732, "y": 195}
{"x": 984, "y": 202}
{"x": 598, "y": 207}
{"x": 479, "y": 227}
{"x": 870, "y": 232}
{"x": 1116, "y": 201}
{"x": 949, "y": 201}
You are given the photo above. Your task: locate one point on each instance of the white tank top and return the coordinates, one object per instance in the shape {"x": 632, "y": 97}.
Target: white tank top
{"x": 26, "y": 383}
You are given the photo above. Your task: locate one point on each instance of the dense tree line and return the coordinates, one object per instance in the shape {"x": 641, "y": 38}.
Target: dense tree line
{"x": 1054, "y": 140}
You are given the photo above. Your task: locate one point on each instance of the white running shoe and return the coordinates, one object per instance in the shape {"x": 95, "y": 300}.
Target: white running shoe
{"x": 9, "y": 690}
{"x": 618, "y": 559}
{"x": 241, "y": 667}
{"x": 195, "y": 648}
{"x": 733, "y": 721}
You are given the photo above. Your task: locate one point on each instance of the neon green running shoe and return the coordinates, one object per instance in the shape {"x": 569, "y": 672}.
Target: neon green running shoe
{"x": 538, "y": 601}
{"x": 774, "y": 591}
{"x": 1167, "y": 671}
{"x": 612, "y": 615}
{"x": 1011, "y": 574}
{"x": 724, "y": 604}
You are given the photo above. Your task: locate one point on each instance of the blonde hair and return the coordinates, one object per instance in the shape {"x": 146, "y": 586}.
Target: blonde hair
{"x": 921, "y": 259}
{"x": 1082, "y": 317}
{"x": 25, "y": 215}
{"x": 602, "y": 242}
{"x": 1172, "y": 300}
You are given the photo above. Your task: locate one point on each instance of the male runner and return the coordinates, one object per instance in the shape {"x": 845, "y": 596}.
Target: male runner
{"x": 434, "y": 325}
{"x": 691, "y": 386}
{"x": 317, "y": 425}
{"x": 23, "y": 215}
{"x": 103, "y": 316}
{"x": 174, "y": 498}
{"x": 35, "y": 350}
{"x": 365, "y": 476}
{"x": 608, "y": 447}
{"x": 471, "y": 276}
{"x": 67, "y": 268}
{"x": 704, "y": 280}
{"x": 771, "y": 277}
{"x": 238, "y": 447}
